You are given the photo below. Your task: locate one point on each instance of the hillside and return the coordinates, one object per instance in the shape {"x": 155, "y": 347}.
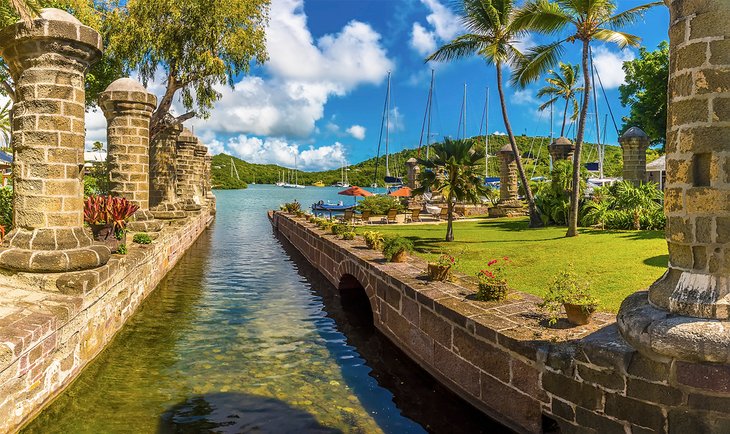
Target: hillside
{"x": 534, "y": 151}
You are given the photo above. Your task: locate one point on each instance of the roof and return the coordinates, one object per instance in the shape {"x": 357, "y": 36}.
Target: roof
{"x": 5, "y": 158}
{"x": 657, "y": 165}
{"x": 634, "y": 132}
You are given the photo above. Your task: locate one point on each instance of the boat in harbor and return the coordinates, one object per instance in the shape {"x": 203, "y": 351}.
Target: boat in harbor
{"x": 318, "y": 184}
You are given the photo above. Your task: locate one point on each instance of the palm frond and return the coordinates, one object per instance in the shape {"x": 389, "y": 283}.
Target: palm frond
{"x": 537, "y": 60}
{"x": 629, "y": 16}
{"x": 619, "y": 38}
{"x": 541, "y": 16}
{"x": 547, "y": 104}
{"x": 462, "y": 46}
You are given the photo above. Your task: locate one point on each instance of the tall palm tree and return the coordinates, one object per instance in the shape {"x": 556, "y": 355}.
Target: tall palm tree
{"x": 588, "y": 20}
{"x": 492, "y": 36}
{"x": 562, "y": 84}
{"x": 453, "y": 170}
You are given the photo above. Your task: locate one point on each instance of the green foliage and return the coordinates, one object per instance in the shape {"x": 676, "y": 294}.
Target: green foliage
{"x": 553, "y": 198}
{"x": 453, "y": 172}
{"x": 645, "y": 92}
{"x": 350, "y": 235}
{"x": 394, "y": 245}
{"x": 380, "y": 204}
{"x": 291, "y": 207}
{"x": 5, "y": 127}
{"x": 6, "y": 207}
{"x": 625, "y": 206}
{"x": 562, "y": 85}
{"x": 142, "y": 238}
{"x": 199, "y": 44}
{"x": 122, "y": 249}
{"x": 341, "y": 228}
{"x": 96, "y": 181}
{"x": 566, "y": 287}
{"x": 373, "y": 239}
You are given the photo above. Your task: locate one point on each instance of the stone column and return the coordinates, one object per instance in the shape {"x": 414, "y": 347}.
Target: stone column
{"x": 187, "y": 181}
{"x": 163, "y": 176}
{"x": 128, "y": 107}
{"x": 413, "y": 171}
{"x": 634, "y": 143}
{"x": 207, "y": 176}
{"x": 561, "y": 149}
{"x": 509, "y": 203}
{"x": 686, "y": 312}
{"x": 200, "y": 176}
{"x": 48, "y": 60}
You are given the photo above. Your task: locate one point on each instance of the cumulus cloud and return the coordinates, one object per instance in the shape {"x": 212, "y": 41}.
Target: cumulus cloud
{"x": 523, "y": 97}
{"x": 609, "y": 65}
{"x": 280, "y": 151}
{"x": 423, "y": 41}
{"x": 499, "y": 133}
{"x": 357, "y": 131}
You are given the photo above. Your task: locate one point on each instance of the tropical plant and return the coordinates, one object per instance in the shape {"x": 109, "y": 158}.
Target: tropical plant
{"x": 491, "y": 35}
{"x": 553, "y": 198}
{"x": 373, "y": 239}
{"x": 341, "y": 228}
{"x": 588, "y": 20}
{"x": 562, "y": 84}
{"x": 6, "y": 207}
{"x": 108, "y": 211}
{"x": 291, "y": 207}
{"x": 493, "y": 280}
{"x": 5, "y": 127}
{"x": 395, "y": 246}
{"x": 379, "y": 205}
{"x": 196, "y": 44}
{"x": 566, "y": 288}
{"x": 453, "y": 171}
{"x": 142, "y": 238}
{"x": 624, "y": 205}
{"x": 349, "y": 235}
{"x": 122, "y": 249}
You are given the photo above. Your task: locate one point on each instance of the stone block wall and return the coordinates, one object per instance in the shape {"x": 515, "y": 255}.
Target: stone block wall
{"x": 52, "y": 325}
{"x": 498, "y": 357}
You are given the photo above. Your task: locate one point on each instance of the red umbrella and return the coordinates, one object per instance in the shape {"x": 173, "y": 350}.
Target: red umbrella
{"x": 355, "y": 191}
{"x": 401, "y": 192}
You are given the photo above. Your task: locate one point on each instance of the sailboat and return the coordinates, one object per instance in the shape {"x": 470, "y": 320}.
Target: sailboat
{"x": 343, "y": 183}
{"x": 296, "y": 179}
{"x": 281, "y": 182}
{"x": 390, "y": 181}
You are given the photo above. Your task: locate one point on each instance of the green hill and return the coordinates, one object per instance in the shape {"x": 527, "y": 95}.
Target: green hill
{"x": 534, "y": 150}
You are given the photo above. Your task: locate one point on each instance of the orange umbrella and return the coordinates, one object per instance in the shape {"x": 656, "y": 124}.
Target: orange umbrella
{"x": 401, "y": 192}
{"x": 355, "y": 191}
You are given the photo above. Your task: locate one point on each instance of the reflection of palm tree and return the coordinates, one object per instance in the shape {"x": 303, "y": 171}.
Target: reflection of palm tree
{"x": 590, "y": 20}
{"x": 562, "y": 84}
{"x": 492, "y": 36}
{"x": 452, "y": 171}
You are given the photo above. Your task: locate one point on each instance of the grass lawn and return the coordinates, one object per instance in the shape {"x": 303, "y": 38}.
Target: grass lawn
{"x": 615, "y": 263}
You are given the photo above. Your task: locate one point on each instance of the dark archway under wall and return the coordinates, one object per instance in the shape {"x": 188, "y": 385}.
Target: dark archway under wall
{"x": 355, "y": 301}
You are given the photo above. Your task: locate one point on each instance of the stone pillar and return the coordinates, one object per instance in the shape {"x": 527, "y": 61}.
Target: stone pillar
{"x": 48, "y": 60}
{"x": 186, "y": 186}
{"x": 634, "y": 143}
{"x": 413, "y": 171}
{"x": 128, "y": 107}
{"x": 207, "y": 176}
{"x": 509, "y": 202}
{"x": 200, "y": 176}
{"x": 163, "y": 176}
{"x": 686, "y": 313}
{"x": 561, "y": 149}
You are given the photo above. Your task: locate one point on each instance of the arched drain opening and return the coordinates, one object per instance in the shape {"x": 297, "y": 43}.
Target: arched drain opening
{"x": 355, "y": 302}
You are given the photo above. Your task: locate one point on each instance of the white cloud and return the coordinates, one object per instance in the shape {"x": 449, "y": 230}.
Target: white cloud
{"x": 395, "y": 122}
{"x": 357, "y": 131}
{"x": 280, "y": 151}
{"x": 422, "y": 40}
{"x": 523, "y": 97}
{"x": 95, "y": 127}
{"x": 499, "y": 133}
{"x": 445, "y": 23}
{"x": 609, "y": 66}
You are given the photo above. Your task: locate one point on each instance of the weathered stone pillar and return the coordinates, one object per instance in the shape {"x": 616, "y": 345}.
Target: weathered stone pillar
{"x": 48, "y": 60}
{"x": 163, "y": 176}
{"x": 561, "y": 149}
{"x": 634, "y": 143}
{"x": 509, "y": 202}
{"x": 128, "y": 107}
{"x": 687, "y": 310}
{"x": 413, "y": 171}
{"x": 209, "y": 196}
{"x": 200, "y": 176}
{"x": 187, "y": 181}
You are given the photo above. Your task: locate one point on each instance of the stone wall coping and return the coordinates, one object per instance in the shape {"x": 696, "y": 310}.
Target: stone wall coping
{"x": 53, "y": 24}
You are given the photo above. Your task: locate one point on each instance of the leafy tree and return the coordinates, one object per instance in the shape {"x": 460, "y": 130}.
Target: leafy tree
{"x": 453, "y": 171}
{"x": 492, "y": 36}
{"x": 562, "y": 84}
{"x": 645, "y": 92}
{"x": 196, "y": 44}
{"x": 588, "y": 20}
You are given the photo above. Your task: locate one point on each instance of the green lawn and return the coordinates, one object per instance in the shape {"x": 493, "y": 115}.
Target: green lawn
{"x": 616, "y": 263}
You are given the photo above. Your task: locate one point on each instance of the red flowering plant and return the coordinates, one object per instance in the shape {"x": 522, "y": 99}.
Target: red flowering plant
{"x": 493, "y": 280}
{"x": 445, "y": 260}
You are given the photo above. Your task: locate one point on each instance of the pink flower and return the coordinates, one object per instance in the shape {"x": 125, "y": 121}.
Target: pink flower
{"x": 492, "y": 262}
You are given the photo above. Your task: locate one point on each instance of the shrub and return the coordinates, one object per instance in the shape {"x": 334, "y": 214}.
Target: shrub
{"x": 373, "y": 239}
{"x": 567, "y": 288}
{"x": 108, "y": 210}
{"x": 393, "y": 246}
{"x": 341, "y": 228}
{"x": 142, "y": 238}
{"x": 122, "y": 249}
{"x": 379, "y": 205}
{"x": 6, "y": 207}
{"x": 350, "y": 235}
{"x": 292, "y": 207}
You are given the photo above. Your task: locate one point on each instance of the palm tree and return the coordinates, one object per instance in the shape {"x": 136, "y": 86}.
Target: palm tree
{"x": 588, "y": 20}
{"x": 639, "y": 199}
{"x": 5, "y": 126}
{"x": 563, "y": 84}
{"x": 492, "y": 36}
{"x": 453, "y": 170}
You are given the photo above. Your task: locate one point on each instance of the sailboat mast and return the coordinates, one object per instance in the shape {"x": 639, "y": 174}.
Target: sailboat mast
{"x": 464, "y": 134}
{"x": 486, "y": 136}
{"x": 387, "y": 127}
{"x": 430, "y": 104}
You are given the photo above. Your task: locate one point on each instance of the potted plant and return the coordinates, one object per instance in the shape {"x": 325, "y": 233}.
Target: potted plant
{"x": 493, "y": 281}
{"x": 107, "y": 217}
{"x": 570, "y": 293}
{"x": 396, "y": 249}
{"x": 441, "y": 269}
{"x": 373, "y": 239}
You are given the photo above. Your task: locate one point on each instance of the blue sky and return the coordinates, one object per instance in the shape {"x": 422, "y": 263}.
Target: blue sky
{"x": 320, "y": 97}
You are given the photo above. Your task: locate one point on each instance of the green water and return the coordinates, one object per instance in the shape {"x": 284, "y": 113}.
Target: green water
{"x": 244, "y": 336}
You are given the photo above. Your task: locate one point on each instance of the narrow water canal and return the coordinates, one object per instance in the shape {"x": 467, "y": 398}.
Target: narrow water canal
{"x": 244, "y": 336}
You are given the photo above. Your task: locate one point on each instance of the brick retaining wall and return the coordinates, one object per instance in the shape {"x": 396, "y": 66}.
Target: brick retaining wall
{"x": 502, "y": 359}
{"x": 52, "y": 325}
